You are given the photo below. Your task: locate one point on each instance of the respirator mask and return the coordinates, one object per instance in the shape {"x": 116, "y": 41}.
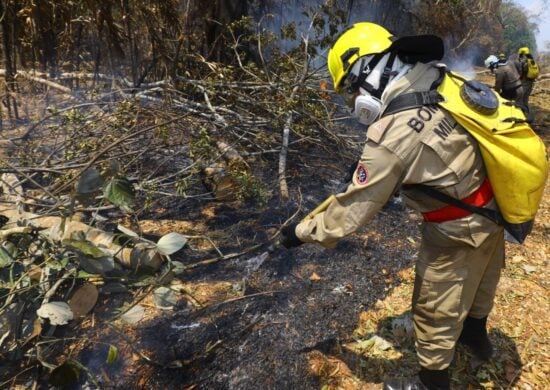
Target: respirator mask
{"x": 366, "y": 81}
{"x": 366, "y": 109}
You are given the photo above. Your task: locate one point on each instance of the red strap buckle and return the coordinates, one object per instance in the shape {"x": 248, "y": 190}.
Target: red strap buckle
{"x": 479, "y": 198}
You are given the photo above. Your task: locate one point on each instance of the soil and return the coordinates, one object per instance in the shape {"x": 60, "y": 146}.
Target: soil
{"x": 305, "y": 318}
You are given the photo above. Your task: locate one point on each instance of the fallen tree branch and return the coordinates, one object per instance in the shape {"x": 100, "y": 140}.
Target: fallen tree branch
{"x": 231, "y": 300}
{"x": 224, "y": 257}
{"x": 60, "y": 228}
{"x": 110, "y": 146}
{"x": 50, "y": 293}
{"x": 32, "y": 77}
{"x": 42, "y": 77}
{"x": 5, "y": 233}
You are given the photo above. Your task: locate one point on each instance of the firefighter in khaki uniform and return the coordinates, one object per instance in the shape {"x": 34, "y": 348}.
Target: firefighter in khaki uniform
{"x": 507, "y": 79}
{"x": 461, "y": 254}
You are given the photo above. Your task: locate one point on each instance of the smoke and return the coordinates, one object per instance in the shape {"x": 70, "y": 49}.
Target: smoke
{"x": 276, "y": 16}
{"x": 465, "y": 64}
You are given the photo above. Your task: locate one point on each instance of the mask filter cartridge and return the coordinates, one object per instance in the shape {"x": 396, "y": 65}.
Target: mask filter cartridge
{"x": 367, "y": 109}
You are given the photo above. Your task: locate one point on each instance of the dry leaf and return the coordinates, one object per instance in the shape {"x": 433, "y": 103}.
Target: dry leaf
{"x": 83, "y": 300}
{"x": 59, "y": 313}
{"x": 36, "y": 330}
{"x": 314, "y": 277}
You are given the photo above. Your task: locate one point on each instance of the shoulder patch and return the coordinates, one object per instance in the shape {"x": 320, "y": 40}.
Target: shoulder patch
{"x": 361, "y": 175}
{"x": 378, "y": 128}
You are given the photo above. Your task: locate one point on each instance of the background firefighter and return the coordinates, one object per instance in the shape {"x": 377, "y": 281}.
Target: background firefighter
{"x": 507, "y": 79}
{"x": 462, "y": 254}
{"x": 522, "y": 66}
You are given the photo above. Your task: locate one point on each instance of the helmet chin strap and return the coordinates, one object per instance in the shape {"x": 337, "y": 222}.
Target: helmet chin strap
{"x": 373, "y": 74}
{"x": 386, "y": 75}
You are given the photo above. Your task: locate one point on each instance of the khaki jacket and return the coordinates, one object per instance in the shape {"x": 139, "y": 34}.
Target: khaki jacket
{"x": 423, "y": 145}
{"x": 506, "y": 77}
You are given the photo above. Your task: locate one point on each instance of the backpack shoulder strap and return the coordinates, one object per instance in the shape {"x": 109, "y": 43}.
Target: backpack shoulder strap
{"x": 413, "y": 100}
{"x": 417, "y": 99}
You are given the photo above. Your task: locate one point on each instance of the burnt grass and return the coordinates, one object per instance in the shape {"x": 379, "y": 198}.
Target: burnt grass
{"x": 298, "y": 302}
{"x": 261, "y": 332}
{"x": 265, "y": 340}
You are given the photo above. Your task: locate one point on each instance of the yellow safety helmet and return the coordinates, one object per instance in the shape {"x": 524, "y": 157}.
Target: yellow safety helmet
{"x": 359, "y": 40}
{"x": 366, "y": 38}
{"x": 523, "y": 50}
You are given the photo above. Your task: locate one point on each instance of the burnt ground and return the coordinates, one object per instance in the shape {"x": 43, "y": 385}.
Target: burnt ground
{"x": 239, "y": 328}
{"x": 305, "y": 318}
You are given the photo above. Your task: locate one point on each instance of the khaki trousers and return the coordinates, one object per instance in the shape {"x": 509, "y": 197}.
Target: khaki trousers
{"x": 453, "y": 281}
{"x": 527, "y": 86}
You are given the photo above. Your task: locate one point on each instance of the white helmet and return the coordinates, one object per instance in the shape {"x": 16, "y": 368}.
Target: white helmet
{"x": 491, "y": 61}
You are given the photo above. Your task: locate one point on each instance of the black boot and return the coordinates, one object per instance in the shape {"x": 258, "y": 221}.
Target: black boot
{"x": 426, "y": 380}
{"x": 435, "y": 379}
{"x": 474, "y": 335}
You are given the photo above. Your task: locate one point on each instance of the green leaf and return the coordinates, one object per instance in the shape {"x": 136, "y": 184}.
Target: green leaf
{"x": 164, "y": 298}
{"x": 90, "y": 181}
{"x": 58, "y": 265}
{"x": 84, "y": 247}
{"x": 87, "y": 275}
{"x": 127, "y": 231}
{"x": 112, "y": 354}
{"x": 120, "y": 192}
{"x": 7, "y": 254}
{"x": 170, "y": 243}
{"x": 97, "y": 265}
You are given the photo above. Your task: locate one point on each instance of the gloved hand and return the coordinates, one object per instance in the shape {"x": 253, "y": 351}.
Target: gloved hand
{"x": 288, "y": 237}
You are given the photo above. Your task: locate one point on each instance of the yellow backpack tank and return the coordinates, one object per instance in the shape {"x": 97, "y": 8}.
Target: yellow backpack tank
{"x": 533, "y": 70}
{"x": 515, "y": 157}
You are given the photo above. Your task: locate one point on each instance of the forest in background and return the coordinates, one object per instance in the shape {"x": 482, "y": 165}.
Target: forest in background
{"x": 153, "y": 40}
{"x": 115, "y": 115}
{"x": 149, "y": 41}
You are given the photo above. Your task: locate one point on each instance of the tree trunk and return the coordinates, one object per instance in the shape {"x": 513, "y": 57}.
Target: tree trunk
{"x": 6, "y": 12}
{"x": 127, "y": 16}
{"x": 47, "y": 41}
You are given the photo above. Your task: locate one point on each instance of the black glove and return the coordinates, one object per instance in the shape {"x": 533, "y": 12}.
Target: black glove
{"x": 288, "y": 237}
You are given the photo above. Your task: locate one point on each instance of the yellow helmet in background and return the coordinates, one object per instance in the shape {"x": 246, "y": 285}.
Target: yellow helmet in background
{"x": 523, "y": 50}
{"x": 359, "y": 40}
